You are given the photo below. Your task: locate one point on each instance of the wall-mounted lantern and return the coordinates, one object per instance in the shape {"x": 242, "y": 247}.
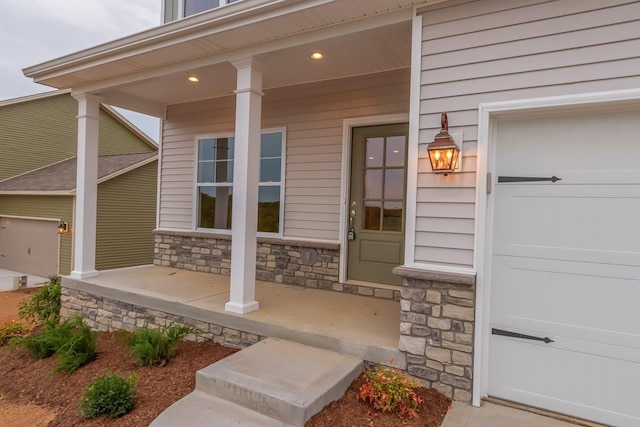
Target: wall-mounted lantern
{"x": 443, "y": 151}
{"x": 63, "y": 227}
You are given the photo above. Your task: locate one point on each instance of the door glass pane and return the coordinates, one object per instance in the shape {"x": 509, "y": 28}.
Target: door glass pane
{"x": 373, "y": 184}
{"x": 392, "y": 216}
{"x": 224, "y": 171}
{"x": 371, "y": 215}
{"x": 395, "y": 151}
{"x": 270, "y": 170}
{"x": 269, "y": 209}
{"x": 374, "y": 151}
{"x": 205, "y": 171}
{"x": 214, "y": 207}
{"x": 271, "y": 145}
{"x": 394, "y": 184}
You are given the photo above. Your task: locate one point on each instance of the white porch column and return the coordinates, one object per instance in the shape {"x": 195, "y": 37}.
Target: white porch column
{"x": 245, "y": 187}
{"x": 84, "y": 227}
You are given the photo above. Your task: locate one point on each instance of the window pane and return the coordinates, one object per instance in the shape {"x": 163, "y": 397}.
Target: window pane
{"x": 205, "y": 171}
{"x": 374, "y": 150}
{"x": 395, "y": 151}
{"x": 270, "y": 170}
{"x": 373, "y": 184}
{"x": 271, "y": 145}
{"x": 191, "y": 7}
{"x": 394, "y": 184}
{"x": 206, "y": 149}
{"x": 269, "y": 209}
{"x": 224, "y": 148}
{"x": 214, "y": 207}
{"x": 371, "y": 215}
{"x": 224, "y": 171}
{"x": 392, "y": 216}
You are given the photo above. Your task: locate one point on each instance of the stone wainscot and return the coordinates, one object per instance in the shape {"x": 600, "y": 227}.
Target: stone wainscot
{"x": 437, "y": 329}
{"x": 292, "y": 262}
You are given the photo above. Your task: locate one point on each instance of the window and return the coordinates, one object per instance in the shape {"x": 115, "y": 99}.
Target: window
{"x": 214, "y": 182}
{"x": 191, "y": 7}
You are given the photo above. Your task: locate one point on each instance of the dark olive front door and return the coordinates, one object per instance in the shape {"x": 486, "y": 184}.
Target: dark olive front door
{"x": 377, "y": 205}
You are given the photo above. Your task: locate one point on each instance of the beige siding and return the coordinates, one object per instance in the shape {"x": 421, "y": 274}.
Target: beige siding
{"x": 126, "y": 218}
{"x": 313, "y": 115}
{"x": 498, "y": 50}
{"x": 43, "y": 131}
{"x": 57, "y": 207}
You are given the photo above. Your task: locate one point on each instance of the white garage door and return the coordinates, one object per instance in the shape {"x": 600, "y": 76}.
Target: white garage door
{"x": 29, "y": 246}
{"x": 566, "y": 265}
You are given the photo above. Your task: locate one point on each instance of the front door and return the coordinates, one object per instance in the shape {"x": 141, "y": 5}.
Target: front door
{"x": 376, "y": 215}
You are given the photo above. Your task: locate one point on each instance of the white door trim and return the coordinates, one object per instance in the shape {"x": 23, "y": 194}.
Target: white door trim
{"x": 487, "y": 115}
{"x": 345, "y": 176}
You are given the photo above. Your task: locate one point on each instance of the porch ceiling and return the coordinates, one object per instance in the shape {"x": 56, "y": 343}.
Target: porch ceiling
{"x": 147, "y": 71}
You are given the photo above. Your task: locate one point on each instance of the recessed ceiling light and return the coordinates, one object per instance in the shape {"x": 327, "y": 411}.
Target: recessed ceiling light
{"x": 316, "y": 55}
{"x": 396, "y": 151}
{"x": 371, "y": 157}
{"x": 192, "y": 78}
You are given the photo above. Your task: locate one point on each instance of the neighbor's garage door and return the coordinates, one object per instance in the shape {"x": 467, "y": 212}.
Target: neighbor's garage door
{"x": 566, "y": 265}
{"x": 29, "y": 246}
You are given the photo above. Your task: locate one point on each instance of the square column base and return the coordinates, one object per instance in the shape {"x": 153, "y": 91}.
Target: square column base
{"x": 242, "y": 308}
{"x": 79, "y": 275}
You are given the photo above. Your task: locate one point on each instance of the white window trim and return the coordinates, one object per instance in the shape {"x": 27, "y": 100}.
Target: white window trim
{"x": 181, "y": 4}
{"x": 195, "y": 209}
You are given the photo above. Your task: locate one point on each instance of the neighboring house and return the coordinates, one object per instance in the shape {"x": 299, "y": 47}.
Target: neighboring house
{"x": 38, "y": 141}
{"x": 309, "y": 149}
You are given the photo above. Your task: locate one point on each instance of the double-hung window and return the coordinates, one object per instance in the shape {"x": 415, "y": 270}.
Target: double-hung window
{"x": 214, "y": 182}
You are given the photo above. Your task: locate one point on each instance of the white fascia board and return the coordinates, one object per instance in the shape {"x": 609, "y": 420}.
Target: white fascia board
{"x": 33, "y": 97}
{"x": 206, "y": 23}
{"x": 131, "y": 102}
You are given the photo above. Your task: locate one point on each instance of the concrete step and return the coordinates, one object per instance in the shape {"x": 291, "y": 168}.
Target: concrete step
{"x": 286, "y": 381}
{"x": 201, "y": 409}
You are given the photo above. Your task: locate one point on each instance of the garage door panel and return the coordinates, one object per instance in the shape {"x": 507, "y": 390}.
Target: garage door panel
{"x": 578, "y": 391}
{"x": 566, "y": 299}
{"x": 561, "y": 217}
{"x": 29, "y": 246}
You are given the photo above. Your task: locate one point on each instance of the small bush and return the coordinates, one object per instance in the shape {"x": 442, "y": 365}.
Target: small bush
{"x": 9, "y": 330}
{"x": 157, "y": 346}
{"x": 72, "y": 341}
{"x": 43, "y": 305}
{"x": 109, "y": 394}
{"x": 389, "y": 390}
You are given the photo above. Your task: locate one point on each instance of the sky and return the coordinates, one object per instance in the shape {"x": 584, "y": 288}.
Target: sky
{"x": 36, "y": 31}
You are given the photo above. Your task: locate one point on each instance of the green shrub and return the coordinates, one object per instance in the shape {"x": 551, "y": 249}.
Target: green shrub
{"x": 389, "y": 390}
{"x": 109, "y": 394}
{"x": 9, "y": 330}
{"x": 72, "y": 341}
{"x": 157, "y": 346}
{"x": 43, "y": 305}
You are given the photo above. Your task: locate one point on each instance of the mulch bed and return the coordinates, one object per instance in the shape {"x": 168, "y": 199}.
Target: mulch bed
{"x": 25, "y": 380}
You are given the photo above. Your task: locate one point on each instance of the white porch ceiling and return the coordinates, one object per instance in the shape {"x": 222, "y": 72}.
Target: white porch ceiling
{"x": 147, "y": 71}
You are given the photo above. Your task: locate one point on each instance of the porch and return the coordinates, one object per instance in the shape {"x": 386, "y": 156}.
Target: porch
{"x": 124, "y": 298}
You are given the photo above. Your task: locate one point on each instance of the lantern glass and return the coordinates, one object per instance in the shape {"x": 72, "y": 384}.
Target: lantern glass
{"x": 443, "y": 159}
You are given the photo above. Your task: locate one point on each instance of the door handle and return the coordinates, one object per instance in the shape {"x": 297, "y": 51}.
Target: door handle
{"x": 504, "y": 333}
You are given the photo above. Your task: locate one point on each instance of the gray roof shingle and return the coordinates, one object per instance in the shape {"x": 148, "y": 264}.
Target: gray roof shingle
{"x": 62, "y": 176}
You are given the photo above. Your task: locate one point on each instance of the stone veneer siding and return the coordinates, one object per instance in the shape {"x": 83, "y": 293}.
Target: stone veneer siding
{"x": 309, "y": 264}
{"x": 437, "y": 330}
{"x": 106, "y": 314}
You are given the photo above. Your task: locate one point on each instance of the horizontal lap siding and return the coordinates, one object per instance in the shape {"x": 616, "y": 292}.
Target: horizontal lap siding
{"x": 313, "y": 115}
{"x": 497, "y": 50}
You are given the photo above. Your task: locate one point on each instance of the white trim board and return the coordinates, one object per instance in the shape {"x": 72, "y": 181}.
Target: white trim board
{"x": 345, "y": 175}
{"x": 487, "y": 114}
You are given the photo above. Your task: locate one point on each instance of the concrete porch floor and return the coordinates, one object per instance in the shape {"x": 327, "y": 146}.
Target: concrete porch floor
{"x": 364, "y": 327}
